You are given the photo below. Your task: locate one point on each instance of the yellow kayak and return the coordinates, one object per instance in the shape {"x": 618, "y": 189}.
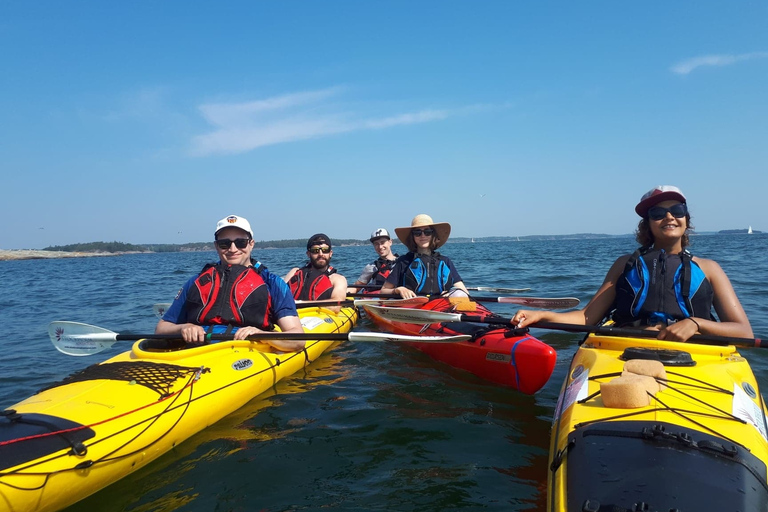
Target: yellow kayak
{"x": 102, "y": 423}
{"x": 650, "y": 425}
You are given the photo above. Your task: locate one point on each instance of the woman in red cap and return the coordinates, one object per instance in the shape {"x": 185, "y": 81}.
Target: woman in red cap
{"x": 661, "y": 286}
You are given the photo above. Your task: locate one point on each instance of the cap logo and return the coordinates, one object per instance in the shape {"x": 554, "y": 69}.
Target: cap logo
{"x": 232, "y": 219}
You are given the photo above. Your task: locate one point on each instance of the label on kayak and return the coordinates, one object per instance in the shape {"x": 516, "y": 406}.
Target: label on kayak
{"x": 499, "y": 358}
{"x": 242, "y": 364}
{"x": 746, "y": 409}
{"x": 576, "y": 390}
{"x": 311, "y": 322}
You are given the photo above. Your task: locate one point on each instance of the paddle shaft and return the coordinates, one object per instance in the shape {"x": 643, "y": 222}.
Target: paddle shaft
{"x": 533, "y": 302}
{"x": 419, "y": 316}
{"x": 475, "y": 289}
{"x": 703, "y": 339}
{"x": 226, "y": 337}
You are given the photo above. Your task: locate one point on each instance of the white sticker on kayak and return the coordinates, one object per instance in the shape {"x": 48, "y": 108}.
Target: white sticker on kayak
{"x": 746, "y": 409}
{"x": 576, "y": 390}
{"x": 242, "y": 364}
{"x": 311, "y": 322}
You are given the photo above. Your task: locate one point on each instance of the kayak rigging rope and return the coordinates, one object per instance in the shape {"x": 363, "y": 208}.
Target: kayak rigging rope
{"x": 683, "y": 413}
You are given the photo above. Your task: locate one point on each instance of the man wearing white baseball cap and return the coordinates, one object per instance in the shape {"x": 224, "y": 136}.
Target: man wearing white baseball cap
{"x": 376, "y": 272}
{"x": 237, "y": 292}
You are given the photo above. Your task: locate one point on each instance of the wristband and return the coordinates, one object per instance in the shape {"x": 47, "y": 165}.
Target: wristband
{"x": 698, "y": 327}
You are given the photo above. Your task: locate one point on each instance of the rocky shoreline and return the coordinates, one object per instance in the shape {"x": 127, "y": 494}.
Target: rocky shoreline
{"x": 25, "y": 254}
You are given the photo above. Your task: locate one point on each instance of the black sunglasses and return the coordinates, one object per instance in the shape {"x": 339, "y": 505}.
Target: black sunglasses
{"x": 225, "y": 243}
{"x": 678, "y": 211}
{"x": 317, "y": 250}
{"x": 419, "y": 232}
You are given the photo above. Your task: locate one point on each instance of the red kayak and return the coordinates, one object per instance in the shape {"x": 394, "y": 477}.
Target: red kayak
{"x": 494, "y": 353}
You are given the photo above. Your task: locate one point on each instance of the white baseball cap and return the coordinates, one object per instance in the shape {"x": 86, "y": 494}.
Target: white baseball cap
{"x": 380, "y": 233}
{"x": 233, "y": 221}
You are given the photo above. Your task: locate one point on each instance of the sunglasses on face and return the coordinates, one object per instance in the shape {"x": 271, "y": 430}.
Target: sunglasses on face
{"x": 678, "y": 211}
{"x": 225, "y": 243}
{"x": 425, "y": 232}
{"x": 318, "y": 250}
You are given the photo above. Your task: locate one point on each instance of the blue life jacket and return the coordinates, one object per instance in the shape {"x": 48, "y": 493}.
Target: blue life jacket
{"x": 657, "y": 287}
{"x": 426, "y": 274}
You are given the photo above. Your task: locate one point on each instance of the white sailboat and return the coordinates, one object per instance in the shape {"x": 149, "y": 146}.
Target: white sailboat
{"x": 749, "y": 231}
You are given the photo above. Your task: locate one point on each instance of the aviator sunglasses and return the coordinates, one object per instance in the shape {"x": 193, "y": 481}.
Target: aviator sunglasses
{"x": 678, "y": 211}
{"x": 225, "y": 243}
{"x": 425, "y": 232}
{"x": 318, "y": 250}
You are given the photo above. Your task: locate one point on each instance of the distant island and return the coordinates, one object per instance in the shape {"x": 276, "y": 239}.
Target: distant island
{"x": 121, "y": 247}
{"x": 116, "y": 248}
{"x": 749, "y": 231}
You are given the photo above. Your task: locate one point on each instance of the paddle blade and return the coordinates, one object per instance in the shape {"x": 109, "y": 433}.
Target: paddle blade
{"x": 78, "y": 339}
{"x": 160, "y": 308}
{"x": 498, "y": 290}
{"x": 542, "y": 303}
{"x": 413, "y": 316}
{"x": 382, "y": 336}
{"x": 415, "y": 301}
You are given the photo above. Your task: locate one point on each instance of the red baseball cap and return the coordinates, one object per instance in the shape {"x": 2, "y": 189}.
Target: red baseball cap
{"x": 657, "y": 195}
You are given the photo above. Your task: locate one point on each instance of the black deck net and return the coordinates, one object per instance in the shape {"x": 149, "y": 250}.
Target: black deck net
{"x": 158, "y": 377}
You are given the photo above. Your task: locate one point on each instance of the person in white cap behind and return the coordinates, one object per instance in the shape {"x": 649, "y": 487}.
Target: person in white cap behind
{"x": 423, "y": 270}
{"x": 376, "y": 272}
{"x": 641, "y": 289}
{"x": 205, "y": 302}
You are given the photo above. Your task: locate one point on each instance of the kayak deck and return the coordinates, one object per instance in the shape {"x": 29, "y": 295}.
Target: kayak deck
{"x": 700, "y": 444}
{"x": 104, "y": 422}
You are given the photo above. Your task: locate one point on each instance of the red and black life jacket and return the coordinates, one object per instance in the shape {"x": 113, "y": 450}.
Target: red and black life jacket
{"x": 308, "y": 283}
{"x": 383, "y": 269}
{"x": 230, "y": 295}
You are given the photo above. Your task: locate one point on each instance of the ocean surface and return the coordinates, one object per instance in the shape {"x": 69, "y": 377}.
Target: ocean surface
{"x": 368, "y": 426}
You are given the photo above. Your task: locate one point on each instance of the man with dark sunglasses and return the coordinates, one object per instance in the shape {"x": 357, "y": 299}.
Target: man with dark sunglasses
{"x": 236, "y": 294}
{"x": 317, "y": 280}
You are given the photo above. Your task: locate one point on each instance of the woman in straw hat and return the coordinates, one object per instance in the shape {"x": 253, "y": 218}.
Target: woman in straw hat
{"x": 424, "y": 271}
{"x": 661, "y": 286}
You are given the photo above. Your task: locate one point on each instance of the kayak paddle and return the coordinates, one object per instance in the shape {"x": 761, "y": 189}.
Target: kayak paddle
{"x": 476, "y": 289}
{"x": 161, "y": 307}
{"x": 78, "y": 339}
{"x": 423, "y": 316}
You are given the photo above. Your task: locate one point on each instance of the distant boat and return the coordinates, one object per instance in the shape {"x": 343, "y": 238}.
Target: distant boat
{"x": 749, "y": 231}
{"x": 473, "y": 240}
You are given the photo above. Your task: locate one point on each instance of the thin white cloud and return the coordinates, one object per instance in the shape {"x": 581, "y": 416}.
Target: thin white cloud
{"x": 686, "y": 66}
{"x": 242, "y": 127}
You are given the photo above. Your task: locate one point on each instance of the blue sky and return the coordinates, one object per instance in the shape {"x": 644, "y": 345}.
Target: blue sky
{"x": 146, "y": 122}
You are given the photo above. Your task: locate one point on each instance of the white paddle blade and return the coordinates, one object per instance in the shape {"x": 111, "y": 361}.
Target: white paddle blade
{"x": 498, "y": 290}
{"x": 78, "y": 339}
{"x": 413, "y": 316}
{"x": 542, "y": 303}
{"x": 383, "y": 336}
{"x": 160, "y": 308}
{"x": 415, "y": 301}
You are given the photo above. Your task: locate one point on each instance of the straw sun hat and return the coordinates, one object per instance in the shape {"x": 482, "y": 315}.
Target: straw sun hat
{"x": 422, "y": 220}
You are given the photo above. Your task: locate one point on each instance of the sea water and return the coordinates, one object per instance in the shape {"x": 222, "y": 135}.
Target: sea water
{"x": 369, "y": 426}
